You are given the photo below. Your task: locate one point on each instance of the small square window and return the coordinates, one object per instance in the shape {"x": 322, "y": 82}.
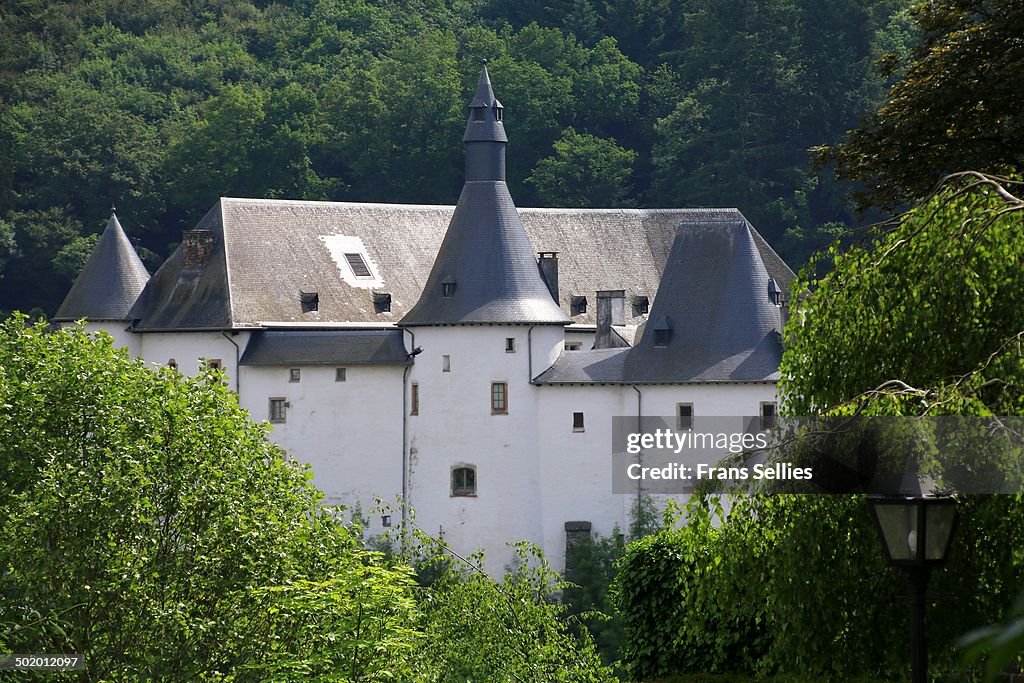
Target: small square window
{"x": 464, "y": 481}
{"x": 340, "y": 374}
{"x": 577, "y": 422}
{"x": 768, "y": 415}
{"x": 385, "y": 521}
{"x": 295, "y": 375}
{"x": 309, "y": 301}
{"x": 641, "y": 306}
{"x": 278, "y": 410}
{"x": 172, "y": 364}
{"x": 684, "y": 417}
{"x": 499, "y": 398}
{"x": 573, "y": 346}
{"x": 446, "y": 363}
{"x": 214, "y": 364}
{"x": 510, "y": 344}
{"x": 381, "y": 302}
{"x": 577, "y": 305}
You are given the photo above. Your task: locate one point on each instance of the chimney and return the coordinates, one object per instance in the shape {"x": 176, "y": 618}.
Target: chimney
{"x": 611, "y": 310}
{"x": 547, "y": 262}
{"x": 197, "y": 245}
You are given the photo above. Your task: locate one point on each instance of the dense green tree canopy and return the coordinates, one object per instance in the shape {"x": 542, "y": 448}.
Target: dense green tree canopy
{"x": 957, "y": 106}
{"x": 160, "y": 107}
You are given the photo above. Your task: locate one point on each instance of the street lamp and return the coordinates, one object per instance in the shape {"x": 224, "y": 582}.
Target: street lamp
{"x": 916, "y": 529}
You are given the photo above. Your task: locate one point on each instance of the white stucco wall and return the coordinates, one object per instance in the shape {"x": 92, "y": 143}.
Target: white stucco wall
{"x": 455, "y": 426}
{"x": 187, "y": 348}
{"x": 122, "y": 337}
{"x": 350, "y": 432}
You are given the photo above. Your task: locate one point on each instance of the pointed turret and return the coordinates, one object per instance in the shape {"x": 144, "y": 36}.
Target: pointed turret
{"x": 485, "y": 271}
{"x": 110, "y": 282}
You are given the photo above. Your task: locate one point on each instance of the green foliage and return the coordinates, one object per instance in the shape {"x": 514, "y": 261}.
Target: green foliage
{"x": 589, "y": 572}
{"x": 161, "y": 107}
{"x": 501, "y": 631}
{"x": 147, "y": 524}
{"x": 924, "y": 320}
{"x": 795, "y": 588}
{"x": 964, "y": 75}
{"x": 585, "y": 171}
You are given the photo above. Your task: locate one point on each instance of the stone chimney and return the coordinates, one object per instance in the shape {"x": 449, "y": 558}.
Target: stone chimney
{"x": 611, "y": 310}
{"x": 197, "y": 245}
{"x": 547, "y": 262}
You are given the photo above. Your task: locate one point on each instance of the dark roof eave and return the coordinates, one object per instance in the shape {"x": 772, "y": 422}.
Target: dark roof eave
{"x": 332, "y": 363}
{"x": 518, "y": 323}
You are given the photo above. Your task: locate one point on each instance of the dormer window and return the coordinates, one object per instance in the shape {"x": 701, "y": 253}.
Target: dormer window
{"x": 641, "y": 306}
{"x": 577, "y": 305}
{"x": 448, "y": 287}
{"x": 381, "y": 302}
{"x": 478, "y": 113}
{"x": 497, "y": 113}
{"x": 310, "y": 301}
{"x": 662, "y": 332}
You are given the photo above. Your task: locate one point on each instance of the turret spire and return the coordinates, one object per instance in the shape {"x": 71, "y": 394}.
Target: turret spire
{"x": 485, "y": 271}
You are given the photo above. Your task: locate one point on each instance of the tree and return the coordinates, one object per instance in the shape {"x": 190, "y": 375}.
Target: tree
{"x": 148, "y": 524}
{"x": 958, "y": 105}
{"x": 585, "y": 171}
{"x": 926, "y": 319}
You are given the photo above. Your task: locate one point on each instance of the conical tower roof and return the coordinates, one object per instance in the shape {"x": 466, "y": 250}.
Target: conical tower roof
{"x": 110, "y": 282}
{"x": 713, "y": 318}
{"x": 485, "y": 270}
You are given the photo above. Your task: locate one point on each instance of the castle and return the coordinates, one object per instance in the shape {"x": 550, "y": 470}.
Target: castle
{"x": 469, "y": 359}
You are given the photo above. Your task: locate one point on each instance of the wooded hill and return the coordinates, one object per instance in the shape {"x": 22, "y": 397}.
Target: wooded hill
{"x": 161, "y": 106}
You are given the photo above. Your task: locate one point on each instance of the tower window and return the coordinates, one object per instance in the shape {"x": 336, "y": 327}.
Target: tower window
{"x": 577, "y": 305}
{"x": 499, "y": 398}
{"x": 497, "y": 113}
{"x": 464, "y": 481}
{"x": 295, "y": 375}
{"x": 358, "y": 266}
{"x": 577, "y": 422}
{"x": 478, "y": 113}
{"x": 278, "y": 410}
{"x": 684, "y": 417}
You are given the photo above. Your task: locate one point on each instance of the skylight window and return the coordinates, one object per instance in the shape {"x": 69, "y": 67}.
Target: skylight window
{"x": 358, "y": 265}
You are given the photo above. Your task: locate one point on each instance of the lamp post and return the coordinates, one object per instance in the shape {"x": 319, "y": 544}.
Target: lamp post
{"x": 916, "y": 529}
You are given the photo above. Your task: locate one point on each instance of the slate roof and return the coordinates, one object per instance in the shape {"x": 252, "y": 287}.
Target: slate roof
{"x": 486, "y": 269}
{"x": 266, "y": 251}
{"x": 715, "y": 301}
{"x": 110, "y": 281}
{"x": 325, "y": 347}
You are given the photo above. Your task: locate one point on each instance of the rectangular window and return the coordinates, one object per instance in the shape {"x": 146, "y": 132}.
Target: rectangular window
{"x": 214, "y": 364}
{"x": 768, "y": 415}
{"x": 464, "y": 481}
{"x": 684, "y": 417}
{"x": 278, "y": 409}
{"x": 577, "y": 305}
{"x": 414, "y": 399}
{"x": 172, "y": 364}
{"x": 295, "y": 375}
{"x": 510, "y": 344}
{"x": 446, "y": 363}
{"x": 340, "y": 374}
{"x": 573, "y": 346}
{"x": 499, "y": 398}
{"x": 577, "y": 422}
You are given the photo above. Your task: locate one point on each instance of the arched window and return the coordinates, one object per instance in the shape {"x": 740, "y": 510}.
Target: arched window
{"x": 464, "y": 480}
